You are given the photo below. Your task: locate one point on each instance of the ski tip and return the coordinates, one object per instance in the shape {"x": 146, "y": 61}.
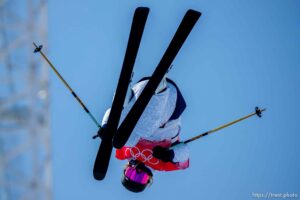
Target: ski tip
{"x": 194, "y": 12}
{"x": 142, "y": 9}
{"x": 98, "y": 176}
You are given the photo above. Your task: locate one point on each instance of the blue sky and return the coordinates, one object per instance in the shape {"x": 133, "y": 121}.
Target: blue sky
{"x": 239, "y": 55}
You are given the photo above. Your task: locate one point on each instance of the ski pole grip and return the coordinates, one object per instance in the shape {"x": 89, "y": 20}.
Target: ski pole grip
{"x": 95, "y": 136}
{"x": 258, "y": 111}
{"x": 37, "y": 48}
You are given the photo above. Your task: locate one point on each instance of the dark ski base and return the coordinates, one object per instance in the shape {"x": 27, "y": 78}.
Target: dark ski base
{"x": 105, "y": 149}
{"x": 127, "y": 126}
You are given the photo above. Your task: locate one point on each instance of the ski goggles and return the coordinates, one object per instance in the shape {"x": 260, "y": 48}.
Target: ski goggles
{"x": 137, "y": 175}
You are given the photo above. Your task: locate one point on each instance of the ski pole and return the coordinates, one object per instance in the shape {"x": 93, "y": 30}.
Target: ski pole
{"x": 257, "y": 112}
{"x": 39, "y": 49}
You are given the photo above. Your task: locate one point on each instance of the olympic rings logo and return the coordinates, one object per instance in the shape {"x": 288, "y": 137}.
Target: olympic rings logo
{"x": 135, "y": 152}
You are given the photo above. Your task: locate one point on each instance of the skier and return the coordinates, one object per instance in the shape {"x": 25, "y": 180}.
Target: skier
{"x": 150, "y": 144}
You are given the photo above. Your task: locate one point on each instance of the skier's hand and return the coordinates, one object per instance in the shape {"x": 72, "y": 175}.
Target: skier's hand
{"x": 100, "y": 132}
{"x": 163, "y": 154}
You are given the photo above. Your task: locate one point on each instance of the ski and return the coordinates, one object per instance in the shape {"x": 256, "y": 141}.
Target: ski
{"x": 104, "y": 153}
{"x": 127, "y": 126}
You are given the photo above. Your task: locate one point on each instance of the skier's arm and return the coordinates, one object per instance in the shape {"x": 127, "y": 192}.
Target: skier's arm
{"x": 181, "y": 153}
{"x": 177, "y": 154}
{"x": 105, "y": 117}
{"x": 103, "y": 125}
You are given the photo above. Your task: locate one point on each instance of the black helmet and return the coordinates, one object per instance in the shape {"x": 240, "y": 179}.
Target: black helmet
{"x": 136, "y": 176}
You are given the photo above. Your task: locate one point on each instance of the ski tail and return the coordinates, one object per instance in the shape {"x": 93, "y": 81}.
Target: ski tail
{"x": 127, "y": 126}
{"x": 105, "y": 149}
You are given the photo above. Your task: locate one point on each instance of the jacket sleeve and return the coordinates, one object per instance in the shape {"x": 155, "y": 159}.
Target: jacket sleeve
{"x": 105, "y": 117}
{"x": 133, "y": 139}
{"x": 181, "y": 153}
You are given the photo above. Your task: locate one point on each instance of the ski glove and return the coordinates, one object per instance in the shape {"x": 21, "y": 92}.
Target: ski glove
{"x": 100, "y": 132}
{"x": 164, "y": 154}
